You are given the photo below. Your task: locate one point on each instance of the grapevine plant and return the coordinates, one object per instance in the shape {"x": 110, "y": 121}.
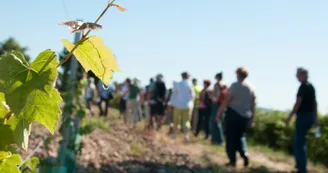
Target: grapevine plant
{"x": 27, "y": 92}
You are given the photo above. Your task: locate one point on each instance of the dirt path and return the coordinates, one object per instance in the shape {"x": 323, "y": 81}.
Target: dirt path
{"x": 122, "y": 149}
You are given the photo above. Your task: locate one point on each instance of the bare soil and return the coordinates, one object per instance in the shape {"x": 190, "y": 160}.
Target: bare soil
{"x": 122, "y": 149}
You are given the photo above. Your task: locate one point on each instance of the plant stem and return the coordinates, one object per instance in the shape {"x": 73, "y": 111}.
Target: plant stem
{"x": 101, "y": 15}
{"x": 78, "y": 43}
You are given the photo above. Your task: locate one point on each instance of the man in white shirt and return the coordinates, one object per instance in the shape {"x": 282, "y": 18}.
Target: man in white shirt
{"x": 182, "y": 100}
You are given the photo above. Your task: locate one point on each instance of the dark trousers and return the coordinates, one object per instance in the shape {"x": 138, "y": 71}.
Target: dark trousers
{"x": 103, "y": 112}
{"x": 215, "y": 129}
{"x": 204, "y": 115}
{"x": 304, "y": 122}
{"x": 235, "y": 130}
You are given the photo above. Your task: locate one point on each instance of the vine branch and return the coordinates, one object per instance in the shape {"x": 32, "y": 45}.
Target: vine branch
{"x": 78, "y": 43}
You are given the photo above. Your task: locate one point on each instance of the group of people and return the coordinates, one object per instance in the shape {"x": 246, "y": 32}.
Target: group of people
{"x": 224, "y": 113}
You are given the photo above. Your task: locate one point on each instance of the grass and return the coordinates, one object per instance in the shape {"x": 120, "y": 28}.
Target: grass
{"x": 88, "y": 125}
{"x": 136, "y": 149}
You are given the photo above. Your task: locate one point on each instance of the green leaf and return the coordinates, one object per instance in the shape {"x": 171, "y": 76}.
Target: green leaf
{"x": 9, "y": 162}
{"x": 21, "y": 131}
{"x": 3, "y": 107}
{"x": 41, "y": 108}
{"x": 7, "y": 137}
{"x": 20, "y": 56}
{"x": 46, "y": 66}
{"x": 31, "y": 165}
{"x": 95, "y": 56}
{"x": 29, "y": 92}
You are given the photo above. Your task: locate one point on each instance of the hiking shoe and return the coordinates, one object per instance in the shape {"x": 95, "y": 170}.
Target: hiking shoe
{"x": 246, "y": 161}
{"x": 230, "y": 164}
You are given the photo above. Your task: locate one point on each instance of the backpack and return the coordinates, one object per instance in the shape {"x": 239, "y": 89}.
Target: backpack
{"x": 208, "y": 100}
{"x": 159, "y": 92}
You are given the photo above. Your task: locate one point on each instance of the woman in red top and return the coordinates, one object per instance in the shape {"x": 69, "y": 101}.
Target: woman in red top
{"x": 223, "y": 93}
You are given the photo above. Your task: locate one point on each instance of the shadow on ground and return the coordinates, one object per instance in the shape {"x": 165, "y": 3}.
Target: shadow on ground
{"x": 136, "y": 166}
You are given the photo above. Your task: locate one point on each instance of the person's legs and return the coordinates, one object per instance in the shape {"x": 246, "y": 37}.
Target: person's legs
{"x": 127, "y": 113}
{"x": 230, "y": 137}
{"x": 304, "y": 122}
{"x": 134, "y": 106}
{"x": 176, "y": 119}
{"x": 101, "y": 112}
{"x": 195, "y": 118}
{"x": 241, "y": 143}
{"x": 152, "y": 111}
{"x": 139, "y": 110}
{"x": 200, "y": 120}
{"x": 215, "y": 131}
{"x": 159, "y": 115}
{"x": 186, "y": 115}
{"x": 207, "y": 116}
{"x": 106, "y": 106}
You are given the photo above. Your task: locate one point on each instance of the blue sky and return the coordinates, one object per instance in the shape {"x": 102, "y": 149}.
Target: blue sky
{"x": 271, "y": 37}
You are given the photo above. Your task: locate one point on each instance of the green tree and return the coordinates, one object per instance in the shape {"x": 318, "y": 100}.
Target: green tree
{"x": 11, "y": 44}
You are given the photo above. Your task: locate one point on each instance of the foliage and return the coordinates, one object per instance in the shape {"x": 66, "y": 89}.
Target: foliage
{"x": 95, "y": 56}
{"x": 27, "y": 92}
{"x": 8, "y": 161}
{"x": 11, "y": 44}
{"x": 31, "y": 166}
{"x": 270, "y": 130}
{"x": 89, "y": 125}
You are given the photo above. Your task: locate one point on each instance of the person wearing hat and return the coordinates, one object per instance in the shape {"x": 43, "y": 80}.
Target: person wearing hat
{"x": 239, "y": 115}
{"x": 216, "y": 128}
{"x": 156, "y": 99}
{"x": 182, "y": 101}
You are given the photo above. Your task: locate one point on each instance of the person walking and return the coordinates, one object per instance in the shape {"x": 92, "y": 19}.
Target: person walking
{"x": 146, "y": 95}
{"x": 240, "y": 104}
{"x": 132, "y": 102}
{"x": 90, "y": 92}
{"x": 204, "y": 111}
{"x": 140, "y": 98}
{"x": 305, "y": 109}
{"x": 216, "y": 127}
{"x": 194, "y": 118}
{"x": 156, "y": 99}
{"x": 105, "y": 93}
{"x": 182, "y": 101}
{"x": 123, "y": 99}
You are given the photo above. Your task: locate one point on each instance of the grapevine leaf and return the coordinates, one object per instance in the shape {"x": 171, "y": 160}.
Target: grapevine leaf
{"x": 95, "y": 56}
{"x": 46, "y": 66}
{"x": 20, "y": 56}
{"x": 3, "y": 107}
{"x": 20, "y": 130}
{"x": 40, "y": 107}
{"x": 13, "y": 73}
{"x": 7, "y": 137}
{"x": 29, "y": 92}
{"x": 9, "y": 162}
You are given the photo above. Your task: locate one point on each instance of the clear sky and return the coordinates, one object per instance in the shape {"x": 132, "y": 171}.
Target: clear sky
{"x": 271, "y": 37}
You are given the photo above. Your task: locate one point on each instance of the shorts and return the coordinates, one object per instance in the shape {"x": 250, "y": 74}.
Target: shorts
{"x": 157, "y": 109}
